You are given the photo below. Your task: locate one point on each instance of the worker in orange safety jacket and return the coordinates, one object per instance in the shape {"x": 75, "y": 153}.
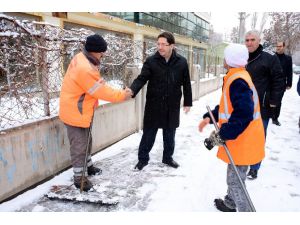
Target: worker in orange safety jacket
{"x": 81, "y": 88}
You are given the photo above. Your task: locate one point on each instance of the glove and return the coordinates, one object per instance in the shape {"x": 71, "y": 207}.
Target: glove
{"x": 213, "y": 140}
{"x": 216, "y": 139}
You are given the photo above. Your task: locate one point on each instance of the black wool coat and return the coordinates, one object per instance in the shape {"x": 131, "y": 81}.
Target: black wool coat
{"x": 286, "y": 63}
{"x": 164, "y": 93}
{"x": 267, "y": 76}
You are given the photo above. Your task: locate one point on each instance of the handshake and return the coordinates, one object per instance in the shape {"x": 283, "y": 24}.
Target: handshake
{"x": 128, "y": 93}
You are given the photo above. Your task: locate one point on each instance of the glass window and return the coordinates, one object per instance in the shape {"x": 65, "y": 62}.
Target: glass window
{"x": 191, "y": 25}
{"x": 192, "y": 17}
{"x": 183, "y": 50}
{"x": 145, "y": 19}
{"x": 182, "y": 23}
{"x": 177, "y": 20}
{"x": 171, "y": 18}
{"x": 184, "y": 14}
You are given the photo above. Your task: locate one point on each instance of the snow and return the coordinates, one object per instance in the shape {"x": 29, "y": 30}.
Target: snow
{"x": 29, "y": 111}
{"x": 9, "y": 33}
{"x": 185, "y": 192}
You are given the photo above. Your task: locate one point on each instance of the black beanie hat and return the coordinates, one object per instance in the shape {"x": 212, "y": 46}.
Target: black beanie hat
{"x": 95, "y": 43}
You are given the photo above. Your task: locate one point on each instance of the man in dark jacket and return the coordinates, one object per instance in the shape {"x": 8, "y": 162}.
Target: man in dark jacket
{"x": 266, "y": 73}
{"x": 287, "y": 67}
{"x": 166, "y": 72}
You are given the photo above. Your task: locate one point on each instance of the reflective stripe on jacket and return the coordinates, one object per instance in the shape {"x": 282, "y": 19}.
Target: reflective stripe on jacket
{"x": 81, "y": 90}
{"x": 248, "y": 147}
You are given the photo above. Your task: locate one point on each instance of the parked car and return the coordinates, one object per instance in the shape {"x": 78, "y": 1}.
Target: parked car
{"x": 296, "y": 70}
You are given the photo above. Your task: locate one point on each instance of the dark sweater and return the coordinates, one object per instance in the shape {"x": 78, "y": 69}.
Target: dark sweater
{"x": 242, "y": 114}
{"x": 267, "y": 76}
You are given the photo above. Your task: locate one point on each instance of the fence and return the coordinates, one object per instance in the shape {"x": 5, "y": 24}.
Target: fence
{"x": 34, "y": 57}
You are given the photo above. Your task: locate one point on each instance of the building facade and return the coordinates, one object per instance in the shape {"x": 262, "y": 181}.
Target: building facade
{"x": 184, "y": 23}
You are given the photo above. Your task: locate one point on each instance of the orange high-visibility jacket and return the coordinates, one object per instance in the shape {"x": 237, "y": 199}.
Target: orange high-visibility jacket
{"x": 248, "y": 147}
{"x": 81, "y": 90}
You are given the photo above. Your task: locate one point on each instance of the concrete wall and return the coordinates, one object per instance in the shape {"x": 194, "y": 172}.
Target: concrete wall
{"x": 207, "y": 86}
{"x": 33, "y": 152}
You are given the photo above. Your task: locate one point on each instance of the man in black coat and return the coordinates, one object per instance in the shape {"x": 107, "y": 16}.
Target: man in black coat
{"x": 166, "y": 72}
{"x": 266, "y": 73}
{"x": 287, "y": 67}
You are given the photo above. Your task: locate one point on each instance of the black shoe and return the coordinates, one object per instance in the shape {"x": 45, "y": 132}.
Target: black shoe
{"x": 87, "y": 185}
{"x": 276, "y": 122}
{"x": 171, "y": 163}
{"x": 92, "y": 170}
{"x": 252, "y": 174}
{"x": 220, "y": 205}
{"x": 140, "y": 165}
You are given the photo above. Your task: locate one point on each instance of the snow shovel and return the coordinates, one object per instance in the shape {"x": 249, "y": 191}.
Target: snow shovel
{"x": 232, "y": 163}
{"x": 86, "y": 154}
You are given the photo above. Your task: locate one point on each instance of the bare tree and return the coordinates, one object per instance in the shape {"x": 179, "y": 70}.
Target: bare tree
{"x": 263, "y": 22}
{"x": 254, "y": 21}
{"x": 242, "y": 27}
{"x": 234, "y": 36}
{"x": 284, "y": 27}
{"x": 212, "y": 60}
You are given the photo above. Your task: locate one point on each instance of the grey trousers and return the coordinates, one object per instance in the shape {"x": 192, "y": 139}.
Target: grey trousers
{"x": 78, "y": 138}
{"x": 235, "y": 197}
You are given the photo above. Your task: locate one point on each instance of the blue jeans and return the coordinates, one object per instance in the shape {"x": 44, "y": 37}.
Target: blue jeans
{"x": 257, "y": 165}
{"x": 148, "y": 140}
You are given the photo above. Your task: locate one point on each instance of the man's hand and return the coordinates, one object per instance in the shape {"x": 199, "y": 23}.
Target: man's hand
{"x": 186, "y": 109}
{"x": 128, "y": 93}
{"x": 203, "y": 123}
{"x": 101, "y": 81}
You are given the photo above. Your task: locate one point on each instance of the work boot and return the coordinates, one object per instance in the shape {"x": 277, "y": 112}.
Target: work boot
{"x": 171, "y": 163}
{"x": 92, "y": 170}
{"x": 87, "y": 185}
{"x": 252, "y": 174}
{"x": 220, "y": 205}
{"x": 276, "y": 122}
{"x": 140, "y": 165}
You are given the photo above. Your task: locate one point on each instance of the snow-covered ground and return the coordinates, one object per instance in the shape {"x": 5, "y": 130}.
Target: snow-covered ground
{"x": 200, "y": 178}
